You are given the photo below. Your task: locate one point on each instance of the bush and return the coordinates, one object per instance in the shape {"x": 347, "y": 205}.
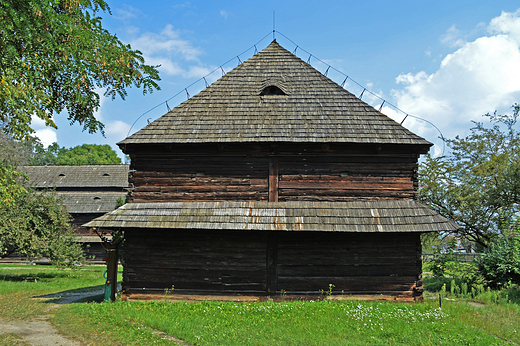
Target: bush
{"x": 500, "y": 262}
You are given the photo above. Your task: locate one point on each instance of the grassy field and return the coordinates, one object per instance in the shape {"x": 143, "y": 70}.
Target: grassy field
{"x": 23, "y": 288}
{"x": 458, "y": 322}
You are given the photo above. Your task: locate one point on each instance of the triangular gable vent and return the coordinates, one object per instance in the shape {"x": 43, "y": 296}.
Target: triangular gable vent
{"x": 272, "y": 90}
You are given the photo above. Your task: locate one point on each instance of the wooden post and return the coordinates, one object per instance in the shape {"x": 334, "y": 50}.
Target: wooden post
{"x": 273, "y": 179}
{"x": 272, "y": 262}
{"x": 112, "y": 270}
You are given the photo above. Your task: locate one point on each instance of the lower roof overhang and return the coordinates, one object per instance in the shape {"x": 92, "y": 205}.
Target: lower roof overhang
{"x": 355, "y": 216}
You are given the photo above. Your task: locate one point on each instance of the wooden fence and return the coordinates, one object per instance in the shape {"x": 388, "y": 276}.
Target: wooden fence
{"x": 456, "y": 257}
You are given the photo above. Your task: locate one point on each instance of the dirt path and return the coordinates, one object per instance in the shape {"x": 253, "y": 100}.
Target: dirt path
{"x": 40, "y": 332}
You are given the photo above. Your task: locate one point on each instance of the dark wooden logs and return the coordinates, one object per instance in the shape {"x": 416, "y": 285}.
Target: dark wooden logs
{"x": 269, "y": 262}
{"x": 272, "y": 175}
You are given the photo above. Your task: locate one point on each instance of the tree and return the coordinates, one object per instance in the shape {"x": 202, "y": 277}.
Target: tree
{"x": 10, "y": 188}
{"x": 34, "y": 224}
{"x": 478, "y": 180}
{"x": 89, "y": 154}
{"x": 47, "y": 156}
{"x": 500, "y": 262}
{"x": 54, "y": 55}
{"x": 16, "y": 152}
{"x": 32, "y": 152}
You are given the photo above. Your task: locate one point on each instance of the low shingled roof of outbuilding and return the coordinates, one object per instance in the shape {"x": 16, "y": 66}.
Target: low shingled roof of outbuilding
{"x": 355, "y": 216}
{"x": 98, "y": 176}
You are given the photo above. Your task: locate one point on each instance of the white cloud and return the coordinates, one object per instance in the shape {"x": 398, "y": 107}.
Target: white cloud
{"x": 127, "y": 13}
{"x": 170, "y": 51}
{"x": 507, "y": 23}
{"x": 167, "y": 41}
{"x": 37, "y": 122}
{"x": 47, "y": 136}
{"x": 479, "y": 77}
{"x": 452, "y": 37}
{"x": 118, "y": 130}
{"x": 224, "y": 14}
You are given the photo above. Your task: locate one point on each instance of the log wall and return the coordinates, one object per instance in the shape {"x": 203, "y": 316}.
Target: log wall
{"x": 269, "y": 262}
{"x": 256, "y": 173}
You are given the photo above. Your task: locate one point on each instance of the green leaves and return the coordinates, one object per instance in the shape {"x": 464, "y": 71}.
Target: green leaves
{"x": 34, "y": 224}
{"x": 54, "y": 55}
{"x": 480, "y": 177}
{"x": 89, "y": 154}
{"x": 500, "y": 263}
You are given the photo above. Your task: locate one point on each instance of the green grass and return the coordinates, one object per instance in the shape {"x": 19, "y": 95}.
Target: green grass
{"x": 12, "y": 340}
{"x": 286, "y": 323}
{"x": 294, "y": 323}
{"x": 19, "y": 296}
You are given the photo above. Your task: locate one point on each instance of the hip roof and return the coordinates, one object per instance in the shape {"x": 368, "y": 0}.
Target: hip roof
{"x": 274, "y": 97}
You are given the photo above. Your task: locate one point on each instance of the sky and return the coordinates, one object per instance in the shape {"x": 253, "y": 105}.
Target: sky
{"x": 445, "y": 62}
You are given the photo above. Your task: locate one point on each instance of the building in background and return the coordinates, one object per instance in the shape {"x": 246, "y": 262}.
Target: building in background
{"x": 87, "y": 191}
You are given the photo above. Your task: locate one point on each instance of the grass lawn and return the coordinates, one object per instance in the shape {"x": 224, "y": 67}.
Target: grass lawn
{"x": 20, "y": 284}
{"x": 218, "y": 323}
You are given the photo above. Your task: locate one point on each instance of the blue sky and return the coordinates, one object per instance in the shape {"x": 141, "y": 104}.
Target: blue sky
{"x": 447, "y": 62}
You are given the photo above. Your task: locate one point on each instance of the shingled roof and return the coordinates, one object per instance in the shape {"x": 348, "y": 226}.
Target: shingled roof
{"x": 358, "y": 216}
{"x": 91, "y": 202}
{"x": 77, "y": 176}
{"x": 274, "y": 97}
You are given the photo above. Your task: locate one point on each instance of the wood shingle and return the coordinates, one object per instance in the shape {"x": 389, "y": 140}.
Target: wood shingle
{"x": 359, "y": 216}
{"x": 313, "y": 109}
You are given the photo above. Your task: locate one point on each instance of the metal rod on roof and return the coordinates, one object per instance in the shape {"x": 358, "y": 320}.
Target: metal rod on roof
{"x": 274, "y": 38}
{"x": 167, "y": 107}
{"x": 205, "y": 81}
{"x": 381, "y": 107}
{"x": 309, "y": 60}
{"x": 256, "y": 50}
{"x": 327, "y": 71}
{"x": 343, "y": 83}
{"x": 295, "y": 50}
{"x": 223, "y": 73}
{"x": 404, "y": 119}
{"x": 360, "y": 96}
{"x": 239, "y": 60}
{"x": 187, "y": 93}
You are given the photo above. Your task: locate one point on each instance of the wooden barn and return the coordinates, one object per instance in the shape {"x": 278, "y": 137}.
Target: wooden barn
{"x": 273, "y": 179}
{"x": 88, "y": 191}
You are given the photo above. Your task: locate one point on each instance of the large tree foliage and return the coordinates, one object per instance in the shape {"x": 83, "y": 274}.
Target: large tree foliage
{"x": 88, "y": 154}
{"x": 32, "y": 152}
{"x": 479, "y": 181}
{"x": 54, "y": 54}
{"x": 34, "y": 224}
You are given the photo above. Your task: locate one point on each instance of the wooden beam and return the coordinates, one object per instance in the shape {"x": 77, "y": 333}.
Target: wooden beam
{"x": 273, "y": 179}
{"x": 272, "y": 263}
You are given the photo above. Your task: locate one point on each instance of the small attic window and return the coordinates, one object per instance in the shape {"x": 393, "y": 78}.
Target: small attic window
{"x": 106, "y": 175}
{"x": 61, "y": 175}
{"x": 97, "y": 198}
{"x": 272, "y": 90}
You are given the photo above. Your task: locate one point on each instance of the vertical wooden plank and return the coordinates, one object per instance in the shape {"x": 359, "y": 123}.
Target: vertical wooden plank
{"x": 272, "y": 263}
{"x": 273, "y": 179}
